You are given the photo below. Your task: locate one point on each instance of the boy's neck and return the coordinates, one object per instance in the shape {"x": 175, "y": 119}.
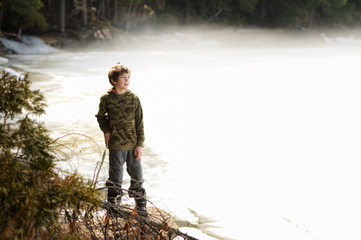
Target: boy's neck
{"x": 119, "y": 91}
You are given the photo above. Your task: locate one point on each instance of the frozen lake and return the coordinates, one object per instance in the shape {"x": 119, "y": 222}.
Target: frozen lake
{"x": 250, "y": 134}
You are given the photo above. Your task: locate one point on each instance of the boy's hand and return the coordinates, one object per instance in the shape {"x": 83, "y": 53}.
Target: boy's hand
{"x": 138, "y": 152}
{"x": 107, "y": 138}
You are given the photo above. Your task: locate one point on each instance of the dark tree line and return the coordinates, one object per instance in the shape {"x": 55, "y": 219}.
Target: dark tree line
{"x": 62, "y": 15}
{"x": 269, "y": 13}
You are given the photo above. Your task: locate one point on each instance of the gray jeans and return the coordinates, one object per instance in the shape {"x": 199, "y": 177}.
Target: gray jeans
{"x": 117, "y": 158}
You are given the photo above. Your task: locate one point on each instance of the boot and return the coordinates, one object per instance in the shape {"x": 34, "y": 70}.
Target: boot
{"x": 141, "y": 206}
{"x": 115, "y": 192}
{"x": 115, "y": 200}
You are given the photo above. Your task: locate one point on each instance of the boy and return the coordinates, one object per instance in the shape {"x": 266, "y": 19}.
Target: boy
{"x": 120, "y": 117}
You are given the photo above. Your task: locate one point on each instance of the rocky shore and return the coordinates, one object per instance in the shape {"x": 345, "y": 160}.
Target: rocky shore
{"x": 70, "y": 40}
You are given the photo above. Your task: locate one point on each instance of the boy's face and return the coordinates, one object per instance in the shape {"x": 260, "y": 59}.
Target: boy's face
{"x": 123, "y": 81}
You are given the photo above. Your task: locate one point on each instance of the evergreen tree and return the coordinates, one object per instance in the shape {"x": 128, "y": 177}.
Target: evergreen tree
{"x": 33, "y": 195}
{"x": 337, "y": 11}
{"x": 22, "y": 14}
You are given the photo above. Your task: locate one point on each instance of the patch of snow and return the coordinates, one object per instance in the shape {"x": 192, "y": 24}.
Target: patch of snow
{"x": 3, "y": 60}
{"x": 345, "y": 40}
{"x": 12, "y": 72}
{"x": 28, "y": 45}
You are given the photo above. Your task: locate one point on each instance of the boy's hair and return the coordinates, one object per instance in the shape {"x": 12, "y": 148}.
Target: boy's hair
{"x": 116, "y": 71}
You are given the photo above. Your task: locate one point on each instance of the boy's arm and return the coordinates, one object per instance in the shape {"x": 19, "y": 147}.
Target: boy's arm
{"x": 139, "y": 126}
{"x": 102, "y": 117}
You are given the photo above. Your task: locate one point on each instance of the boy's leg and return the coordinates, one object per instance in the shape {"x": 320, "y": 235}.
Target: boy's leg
{"x": 114, "y": 183}
{"x": 136, "y": 190}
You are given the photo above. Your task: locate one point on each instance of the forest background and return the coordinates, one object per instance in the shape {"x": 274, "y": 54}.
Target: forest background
{"x": 68, "y": 17}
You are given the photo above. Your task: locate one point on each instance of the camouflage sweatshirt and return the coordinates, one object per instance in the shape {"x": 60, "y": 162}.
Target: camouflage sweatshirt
{"x": 122, "y": 116}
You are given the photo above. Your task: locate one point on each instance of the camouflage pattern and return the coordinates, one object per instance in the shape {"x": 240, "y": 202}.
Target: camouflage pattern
{"x": 122, "y": 116}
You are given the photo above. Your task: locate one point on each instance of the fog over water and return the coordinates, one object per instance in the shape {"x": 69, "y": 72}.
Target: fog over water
{"x": 250, "y": 134}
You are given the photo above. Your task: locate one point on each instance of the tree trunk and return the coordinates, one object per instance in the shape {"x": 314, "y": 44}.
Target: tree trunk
{"x": 108, "y": 9}
{"x": 1, "y": 19}
{"x": 310, "y": 10}
{"x": 187, "y": 11}
{"x": 263, "y": 10}
{"x": 163, "y": 6}
{"x": 84, "y": 13}
{"x": 115, "y": 10}
{"x": 62, "y": 16}
{"x": 204, "y": 8}
{"x": 101, "y": 10}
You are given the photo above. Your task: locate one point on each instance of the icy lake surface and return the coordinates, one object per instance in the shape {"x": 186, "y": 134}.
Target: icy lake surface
{"x": 250, "y": 134}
